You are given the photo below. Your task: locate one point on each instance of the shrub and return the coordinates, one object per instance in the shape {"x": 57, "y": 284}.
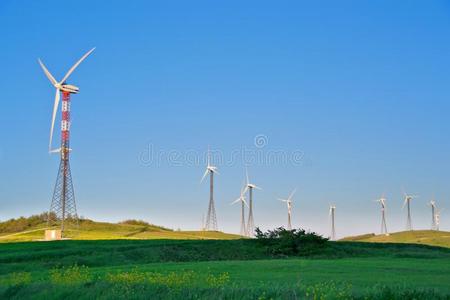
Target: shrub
{"x": 290, "y": 242}
{"x": 135, "y": 222}
{"x": 22, "y": 223}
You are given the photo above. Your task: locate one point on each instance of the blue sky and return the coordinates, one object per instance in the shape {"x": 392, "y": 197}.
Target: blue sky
{"x": 359, "y": 89}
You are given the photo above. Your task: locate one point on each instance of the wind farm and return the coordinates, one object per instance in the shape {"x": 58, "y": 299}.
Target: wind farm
{"x": 226, "y": 150}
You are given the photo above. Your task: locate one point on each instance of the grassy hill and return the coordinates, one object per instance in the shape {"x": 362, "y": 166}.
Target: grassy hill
{"x": 32, "y": 229}
{"x": 137, "y": 260}
{"x": 426, "y": 237}
{"x": 220, "y": 269}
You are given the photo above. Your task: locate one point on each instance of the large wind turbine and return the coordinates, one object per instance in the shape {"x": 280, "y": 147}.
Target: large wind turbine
{"x": 332, "y": 219}
{"x": 63, "y": 202}
{"x": 288, "y": 202}
{"x": 382, "y": 202}
{"x": 433, "y": 214}
{"x": 211, "y": 219}
{"x": 407, "y": 203}
{"x": 250, "y": 187}
{"x": 243, "y": 231}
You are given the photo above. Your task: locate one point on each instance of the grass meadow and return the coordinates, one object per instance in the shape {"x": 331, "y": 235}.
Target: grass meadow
{"x": 222, "y": 269}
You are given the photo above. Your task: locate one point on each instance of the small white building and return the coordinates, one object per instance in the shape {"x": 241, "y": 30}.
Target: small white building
{"x": 53, "y": 234}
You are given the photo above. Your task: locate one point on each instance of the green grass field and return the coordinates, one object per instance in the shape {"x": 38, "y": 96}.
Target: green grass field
{"x": 220, "y": 269}
{"x": 136, "y": 260}
{"x": 427, "y": 237}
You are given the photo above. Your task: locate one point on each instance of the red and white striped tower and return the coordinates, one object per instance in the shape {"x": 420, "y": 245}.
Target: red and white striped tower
{"x": 63, "y": 207}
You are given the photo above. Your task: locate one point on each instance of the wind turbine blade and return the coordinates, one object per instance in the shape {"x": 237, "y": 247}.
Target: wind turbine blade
{"x": 236, "y": 201}
{"x": 404, "y": 203}
{"x": 76, "y": 65}
{"x": 245, "y": 202}
{"x": 245, "y": 190}
{"x": 204, "y": 175}
{"x": 47, "y": 73}
{"x": 257, "y": 187}
{"x": 282, "y": 200}
{"x": 55, "y": 109}
{"x": 215, "y": 171}
{"x": 292, "y": 194}
{"x": 55, "y": 150}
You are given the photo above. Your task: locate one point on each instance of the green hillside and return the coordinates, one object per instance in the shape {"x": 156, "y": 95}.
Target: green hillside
{"x": 426, "y": 237}
{"x": 216, "y": 269}
{"x": 32, "y": 229}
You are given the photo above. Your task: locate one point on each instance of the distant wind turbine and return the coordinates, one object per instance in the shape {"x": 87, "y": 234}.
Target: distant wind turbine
{"x": 382, "y": 202}
{"x": 288, "y": 202}
{"x": 243, "y": 231}
{"x": 250, "y": 187}
{"x": 211, "y": 219}
{"x": 407, "y": 203}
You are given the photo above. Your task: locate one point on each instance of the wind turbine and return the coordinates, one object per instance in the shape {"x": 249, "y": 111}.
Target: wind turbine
{"x": 250, "y": 187}
{"x": 63, "y": 201}
{"x": 332, "y": 217}
{"x": 241, "y": 199}
{"x": 433, "y": 214}
{"x": 211, "y": 220}
{"x": 407, "y": 203}
{"x": 61, "y": 86}
{"x": 288, "y": 202}
{"x": 382, "y": 202}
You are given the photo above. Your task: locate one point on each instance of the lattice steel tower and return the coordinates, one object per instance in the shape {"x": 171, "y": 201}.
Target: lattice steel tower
{"x": 63, "y": 208}
{"x": 250, "y": 221}
{"x": 211, "y": 218}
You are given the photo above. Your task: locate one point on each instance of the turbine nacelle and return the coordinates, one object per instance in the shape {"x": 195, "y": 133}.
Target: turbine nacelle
{"x": 253, "y": 186}
{"x": 382, "y": 201}
{"x": 289, "y": 201}
{"x": 241, "y": 198}
{"x": 209, "y": 168}
{"x": 249, "y": 185}
{"x": 68, "y": 88}
{"x": 212, "y": 169}
{"x": 332, "y": 209}
{"x": 408, "y": 199}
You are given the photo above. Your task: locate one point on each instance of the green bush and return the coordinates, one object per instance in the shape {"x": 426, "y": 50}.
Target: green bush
{"x": 290, "y": 242}
{"x": 22, "y": 223}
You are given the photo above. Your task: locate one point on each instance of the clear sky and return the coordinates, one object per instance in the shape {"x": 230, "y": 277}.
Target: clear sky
{"x": 353, "y": 96}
